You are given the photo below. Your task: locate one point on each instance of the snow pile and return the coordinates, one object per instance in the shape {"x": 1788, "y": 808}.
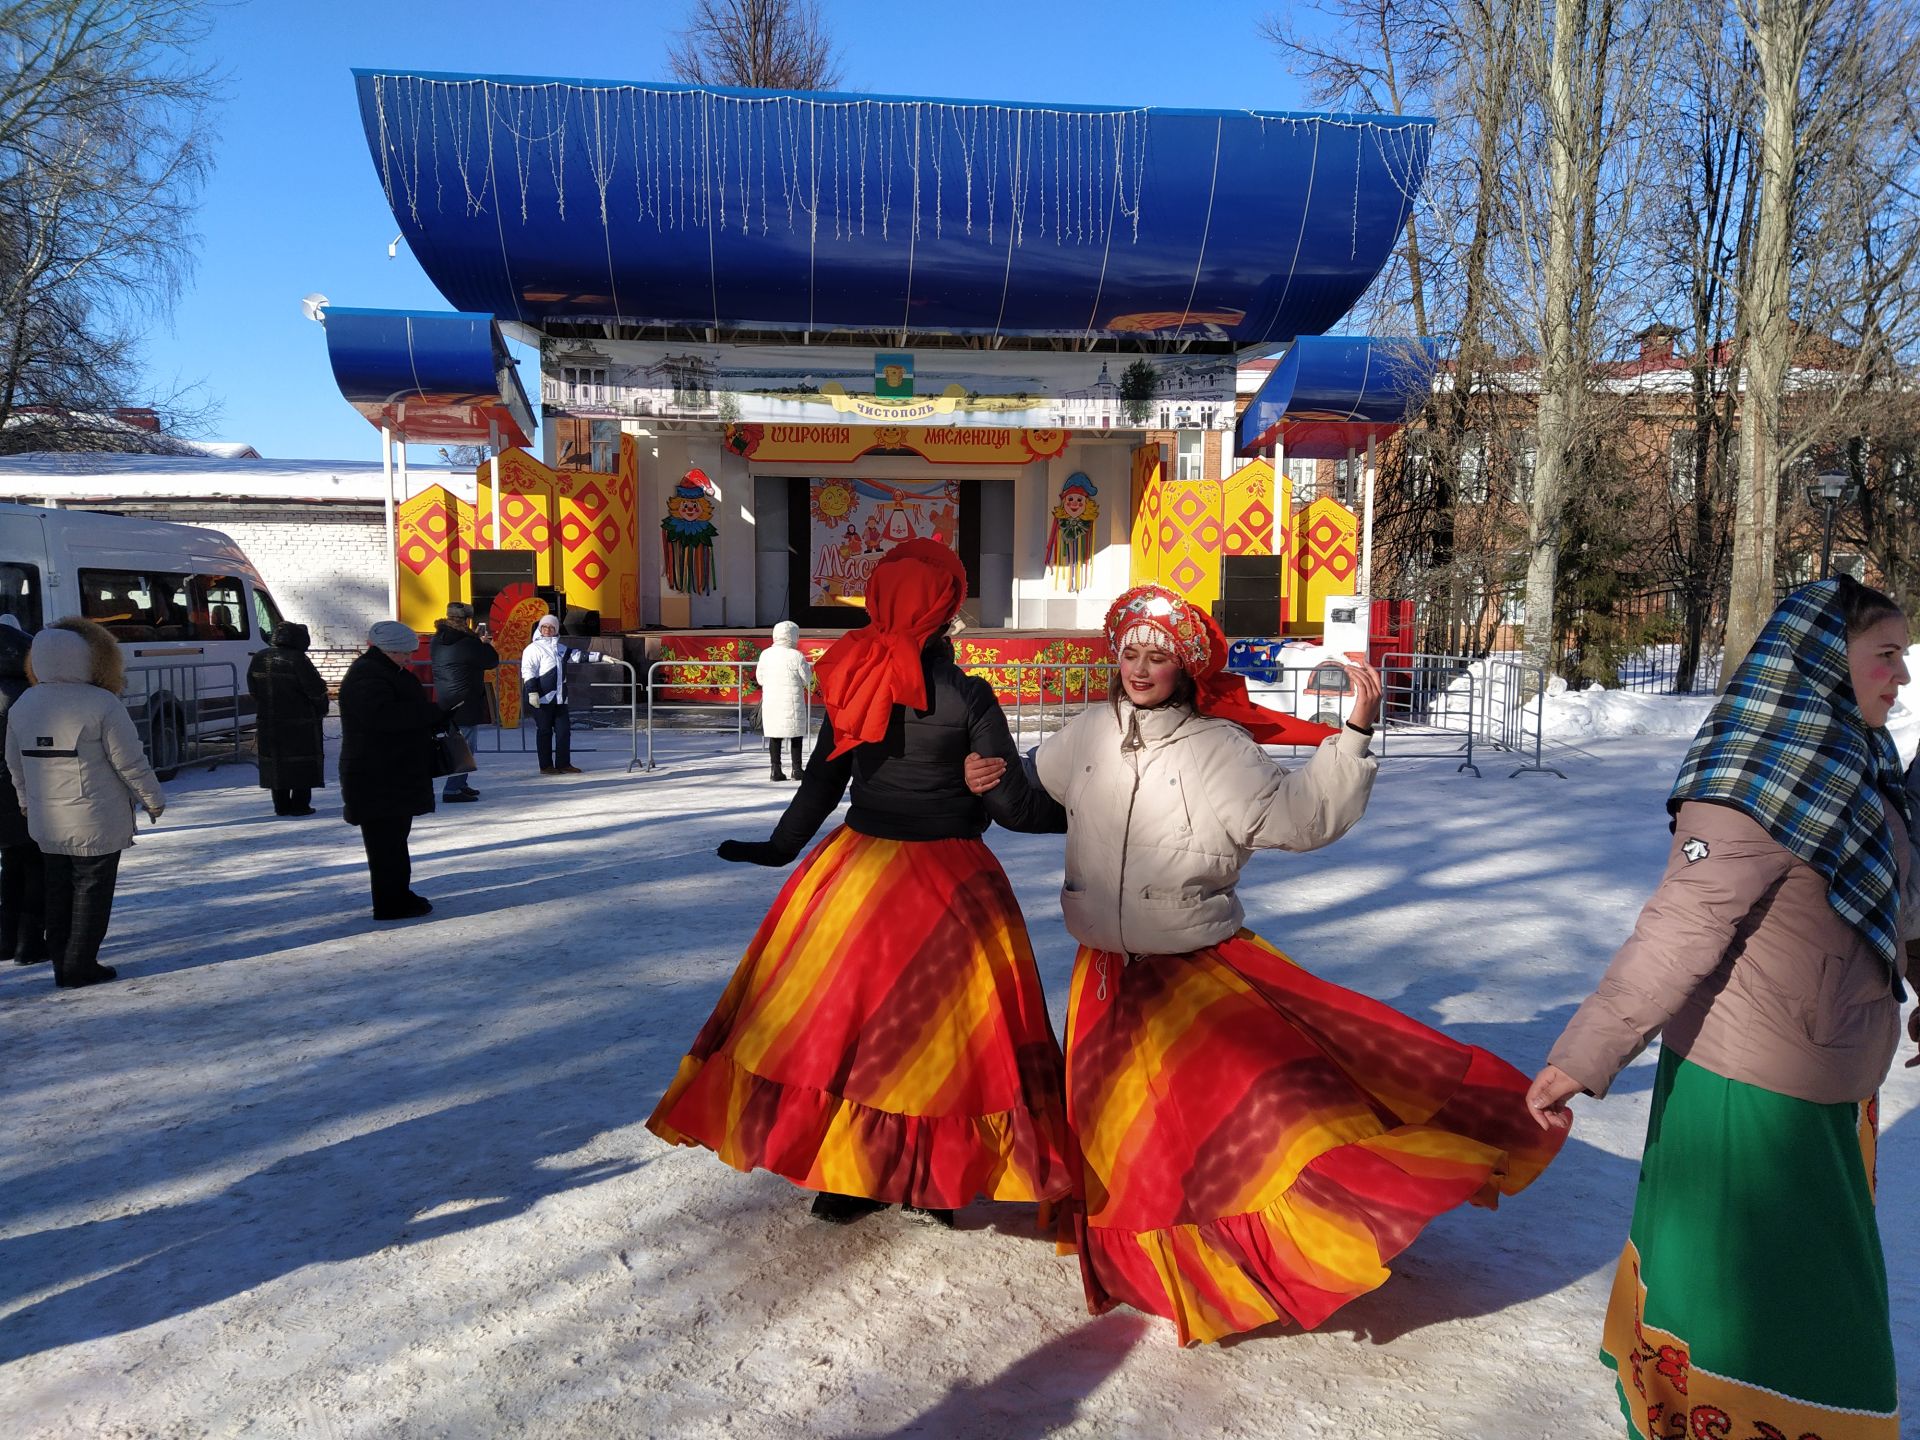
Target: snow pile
{"x": 1598, "y": 714}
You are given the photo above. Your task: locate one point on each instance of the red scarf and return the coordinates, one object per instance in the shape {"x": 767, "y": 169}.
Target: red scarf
{"x": 911, "y": 595}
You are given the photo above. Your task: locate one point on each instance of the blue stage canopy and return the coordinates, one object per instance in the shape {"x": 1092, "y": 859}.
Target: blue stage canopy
{"x": 430, "y": 377}
{"x": 1330, "y": 394}
{"x": 659, "y": 206}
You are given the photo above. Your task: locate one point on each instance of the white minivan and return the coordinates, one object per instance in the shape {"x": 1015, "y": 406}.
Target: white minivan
{"x": 185, "y": 604}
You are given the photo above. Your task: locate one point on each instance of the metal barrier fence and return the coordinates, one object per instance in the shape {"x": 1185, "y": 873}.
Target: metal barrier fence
{"x": 187, "y": 714}
{"x": 684, "y": 716}
{"x": 611, "y": 704}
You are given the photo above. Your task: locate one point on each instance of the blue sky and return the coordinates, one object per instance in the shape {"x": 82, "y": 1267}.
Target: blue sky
{"x": 294, "y": 205}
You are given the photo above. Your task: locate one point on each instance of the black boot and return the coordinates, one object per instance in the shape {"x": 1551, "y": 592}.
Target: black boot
{"x": 844, "y": 1209}
{"x": 773, "y": 754}
{"x": 9, "y": 933}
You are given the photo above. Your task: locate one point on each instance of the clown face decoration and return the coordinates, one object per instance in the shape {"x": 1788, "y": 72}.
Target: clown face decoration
{"x": 686, "y": 536}
{"x": 1070, "y": 542}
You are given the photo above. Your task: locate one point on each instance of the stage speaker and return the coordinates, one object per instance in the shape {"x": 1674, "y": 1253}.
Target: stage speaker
{"x": 580, "y": 621}
{"x": 1248, "y": 617}
{"x": 1250, "y": 577}
{"x": 491, "y": 571}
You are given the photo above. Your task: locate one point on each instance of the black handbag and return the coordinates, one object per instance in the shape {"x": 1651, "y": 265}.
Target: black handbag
{"x": 452, "y": 755}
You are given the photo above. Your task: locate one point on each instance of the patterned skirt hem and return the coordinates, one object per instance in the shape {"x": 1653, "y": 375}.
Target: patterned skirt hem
{"x": 822, "y": 1141}
{"x": 1324, "y": 1242}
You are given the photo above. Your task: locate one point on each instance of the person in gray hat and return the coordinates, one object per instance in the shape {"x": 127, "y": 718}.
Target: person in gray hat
{"x": 387, "y": 725}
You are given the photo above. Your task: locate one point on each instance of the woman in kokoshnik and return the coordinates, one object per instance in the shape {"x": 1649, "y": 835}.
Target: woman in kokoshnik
{"x": 885, "y": 1039}
{"x": 1751, "y": 1298}
{"x": 1256, "y": 1143}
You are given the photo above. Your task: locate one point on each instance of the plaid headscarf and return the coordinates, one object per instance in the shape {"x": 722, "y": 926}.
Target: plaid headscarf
{"x": 1787, "y": 745}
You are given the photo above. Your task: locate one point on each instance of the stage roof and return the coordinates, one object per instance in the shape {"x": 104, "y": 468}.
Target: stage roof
{"x": 663, "y": 207}
{"x": 429, "y": 376}
{"x": 1331, "y": 393}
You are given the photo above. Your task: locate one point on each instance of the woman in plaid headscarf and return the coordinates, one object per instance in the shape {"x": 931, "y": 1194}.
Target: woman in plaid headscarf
{"x": 1255, "y": 1143}
{"x": 1751, "y": 1298}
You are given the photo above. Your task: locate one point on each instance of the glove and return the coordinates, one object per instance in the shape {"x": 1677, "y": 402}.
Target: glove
{"x": 154, "y": 813}
{"x": 754, "y": 852}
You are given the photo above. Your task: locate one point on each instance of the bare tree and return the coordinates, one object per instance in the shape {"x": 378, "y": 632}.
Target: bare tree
{"x": 762, "y": 44}
{"x": 102, "y": 155}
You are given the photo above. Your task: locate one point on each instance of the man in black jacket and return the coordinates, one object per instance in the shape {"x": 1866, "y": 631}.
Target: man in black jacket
{"x": 387, "y": 725}
{"x": 462, "y": 662}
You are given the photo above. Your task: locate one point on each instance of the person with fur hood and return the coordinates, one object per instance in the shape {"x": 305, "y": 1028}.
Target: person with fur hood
{"x": 784, "y": 678}
{"x": 76, "y": 760}
{"x": 290, "y": 700}
{"x": 1255, "y": 1143}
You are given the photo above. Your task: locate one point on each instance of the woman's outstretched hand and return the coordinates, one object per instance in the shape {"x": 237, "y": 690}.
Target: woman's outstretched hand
{"x": 1547, "y": 1098}
{"x": 753, "y": 852}
{"x": 983, "y": 774}
{"x": 1366, "y": 695}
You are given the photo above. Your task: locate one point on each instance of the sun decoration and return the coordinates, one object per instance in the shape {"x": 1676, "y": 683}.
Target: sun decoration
{"x": 833, "y": 501}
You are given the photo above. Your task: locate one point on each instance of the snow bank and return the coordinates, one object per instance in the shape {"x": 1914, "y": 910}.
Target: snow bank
{"x": 1597, "y": 714}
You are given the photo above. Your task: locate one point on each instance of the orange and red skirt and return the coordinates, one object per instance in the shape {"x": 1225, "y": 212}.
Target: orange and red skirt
{"x": 885, "y": 1035}
{"x": 1256, "y": 1143}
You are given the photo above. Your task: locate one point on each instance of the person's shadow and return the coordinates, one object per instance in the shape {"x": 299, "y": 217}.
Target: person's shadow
{"x": 434, "y": 1175}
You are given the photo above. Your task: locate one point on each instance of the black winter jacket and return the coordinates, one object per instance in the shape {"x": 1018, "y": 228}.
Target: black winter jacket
{"x": 461, "y": 664}
{"x": 387, "y": 725}
{"x": 911, "y": 785}
{"x": 290, "y": 699}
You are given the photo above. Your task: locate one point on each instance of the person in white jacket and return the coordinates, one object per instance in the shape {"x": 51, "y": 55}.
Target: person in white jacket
{"x": 784, "y": 678}
{"x": 1255, "y": 1143}
{"x": 76, "y": 760}
{"x": 548, "y": 680}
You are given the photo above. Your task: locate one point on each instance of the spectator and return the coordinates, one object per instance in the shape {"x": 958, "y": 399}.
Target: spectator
{"x": 462, "y": 663}
{"x": 387, "y": 725}
{"x": 22, "y": 904}
{"x": 290, "y": 700}
{"x": 76, "y": 761}
{"x": 784, "y": 678}
{"x": 549, "y": 678}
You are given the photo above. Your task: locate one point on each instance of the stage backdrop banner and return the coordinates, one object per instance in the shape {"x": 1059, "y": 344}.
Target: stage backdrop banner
{"x": 856, "y": 522}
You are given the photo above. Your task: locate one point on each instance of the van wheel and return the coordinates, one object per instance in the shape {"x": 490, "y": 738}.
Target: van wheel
{"x": 168, "y": 741}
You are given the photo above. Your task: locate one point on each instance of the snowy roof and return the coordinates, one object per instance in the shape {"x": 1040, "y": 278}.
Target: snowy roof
{"x": 108, "y": 476}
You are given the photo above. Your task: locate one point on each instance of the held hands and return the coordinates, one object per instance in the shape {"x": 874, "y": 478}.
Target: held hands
{"x": 983, "y": 774}
{"x": 1547, "y": 1098}
{"x": 1366, "y": 695}
{"x": 753, "y": 852}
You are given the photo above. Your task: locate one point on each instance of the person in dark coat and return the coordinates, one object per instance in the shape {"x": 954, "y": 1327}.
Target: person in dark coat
{"x": 22, "y": 901}
{"x": 462, "y": 663}
{"x": 290, "y": 699}
{"x": 387, "y": 725}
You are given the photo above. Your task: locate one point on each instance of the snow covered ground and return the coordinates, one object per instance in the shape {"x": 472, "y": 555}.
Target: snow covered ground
{"x": 296, "y": 1175}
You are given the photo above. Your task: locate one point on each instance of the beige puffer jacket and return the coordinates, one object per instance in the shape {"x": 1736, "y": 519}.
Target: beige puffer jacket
{"x": 1158, "y": 830}
{"x": 75, "y": 755}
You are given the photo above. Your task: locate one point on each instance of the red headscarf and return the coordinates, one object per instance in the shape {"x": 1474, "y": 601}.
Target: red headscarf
{"x": 911, "y": 595}
{"x": 1191, "y": 636}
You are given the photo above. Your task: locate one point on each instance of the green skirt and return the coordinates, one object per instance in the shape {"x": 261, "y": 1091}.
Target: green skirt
{"x": 1751, "y": 1299}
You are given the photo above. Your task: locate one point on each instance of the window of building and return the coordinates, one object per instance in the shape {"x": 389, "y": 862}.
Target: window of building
{"x": 1187, "y": 455}
{"x": 1346, "y": 481}
{"x": 1472, "y": 487}
{"x": 1845, "y": 562}
{"x": 584, "y": 384}
{"x": 1300, "y": 475}
{"x": 20, "y": 594}
{"x": 604, "y": 437}
{"x": 1524, "y": 460}
{"x": 1682, "y": 476}
{"x": 1206, "y": 417}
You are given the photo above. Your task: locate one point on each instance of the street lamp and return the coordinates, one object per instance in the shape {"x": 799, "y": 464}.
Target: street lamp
{"x": 1828, "y": 489}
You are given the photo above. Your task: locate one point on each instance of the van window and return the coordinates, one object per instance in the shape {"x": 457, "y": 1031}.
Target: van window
{"x": 219, "y": 609}
{"x": 20, "y": 594}
{"x": 266, "y": 614}
{"x": 133, "y": 605}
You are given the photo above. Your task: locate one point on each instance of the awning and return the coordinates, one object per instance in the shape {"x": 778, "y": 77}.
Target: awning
{"x": 661, "y": 206}
{"x": 429, "y": 377}
{"x": 1330, "y": 394}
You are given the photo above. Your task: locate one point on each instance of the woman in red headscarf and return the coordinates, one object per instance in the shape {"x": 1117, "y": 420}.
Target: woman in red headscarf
{"x": 885, "y": 1039}
{"x": 1256, "y": 1144}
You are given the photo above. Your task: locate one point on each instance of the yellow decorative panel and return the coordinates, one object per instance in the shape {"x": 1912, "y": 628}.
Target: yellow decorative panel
{"x": 1326, "y": 558}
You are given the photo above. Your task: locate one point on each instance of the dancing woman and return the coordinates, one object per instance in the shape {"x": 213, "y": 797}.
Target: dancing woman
{"x": 885, "y": 1038}
{"x": 1751, "y": 1298}
{"x": 1256, "y": 1143}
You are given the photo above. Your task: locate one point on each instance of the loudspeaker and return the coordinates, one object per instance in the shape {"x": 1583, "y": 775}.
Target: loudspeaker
{"x": 580, "y": 621}
{"x": 1248, "y": 617}
{"x": 491, "y": 571}
{"x": 1250, "y": 577}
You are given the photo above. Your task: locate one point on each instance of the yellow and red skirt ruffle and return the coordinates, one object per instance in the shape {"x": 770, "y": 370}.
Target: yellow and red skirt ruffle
{"x": 1257, "y": 1143}
{"x": 885, "y": 1035}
